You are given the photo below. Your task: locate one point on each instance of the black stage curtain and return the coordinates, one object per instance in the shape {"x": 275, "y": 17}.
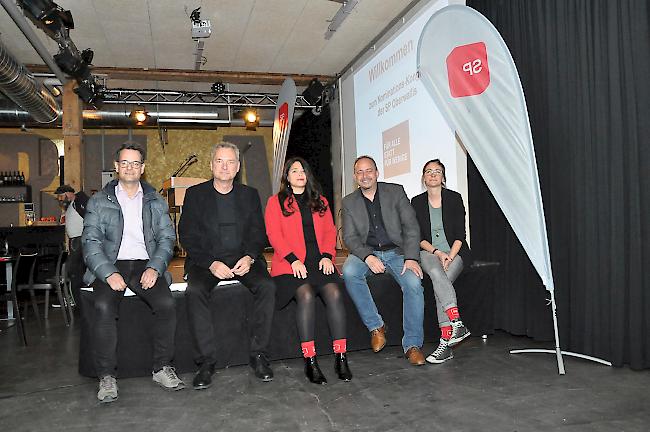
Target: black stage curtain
{"x": 585, "y": 70}
{"x": 311, "y": 139}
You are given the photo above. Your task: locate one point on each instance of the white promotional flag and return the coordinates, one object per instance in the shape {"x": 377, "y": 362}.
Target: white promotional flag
{"x": 281, "y": 128}
{"x": 467, "y": 68}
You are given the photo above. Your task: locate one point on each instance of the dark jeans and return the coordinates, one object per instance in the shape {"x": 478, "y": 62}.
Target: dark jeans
{"x": 107, "y": 302}
{"x": 75, "y": 268}
{"x": 200, "y": 282}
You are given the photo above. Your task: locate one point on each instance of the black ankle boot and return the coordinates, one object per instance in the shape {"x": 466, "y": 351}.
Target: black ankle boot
{"x": 341, "y": 367}
{"x": 313, "y": 372}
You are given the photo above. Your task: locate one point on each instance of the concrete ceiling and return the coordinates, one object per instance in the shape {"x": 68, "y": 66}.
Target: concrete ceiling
{"x": 277, "y": 36}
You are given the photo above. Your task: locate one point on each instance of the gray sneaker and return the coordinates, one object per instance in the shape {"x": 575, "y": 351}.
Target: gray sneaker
{"x": 107, "y": 389}
{"x": 167, "y": 379}
{"x": 458, "y": 332}
{"x": 441, "y": 354}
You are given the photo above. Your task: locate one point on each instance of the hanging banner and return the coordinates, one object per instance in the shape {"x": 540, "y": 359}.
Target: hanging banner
{"x": 467, "y": 68}
{"x": 281, "y": 128}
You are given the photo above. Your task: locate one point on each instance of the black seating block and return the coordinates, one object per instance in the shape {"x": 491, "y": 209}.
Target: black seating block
{"x": 474, "y": 288}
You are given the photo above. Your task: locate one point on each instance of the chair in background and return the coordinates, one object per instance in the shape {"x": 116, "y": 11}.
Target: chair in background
{"x": 12, "y": 296}
{"x": 63, "y": 283}
{"x": 37, "y": 282}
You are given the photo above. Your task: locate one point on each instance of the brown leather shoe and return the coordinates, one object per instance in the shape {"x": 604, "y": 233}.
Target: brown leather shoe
{"x": 378, "y": 338}
{"x": 415, "y": 356}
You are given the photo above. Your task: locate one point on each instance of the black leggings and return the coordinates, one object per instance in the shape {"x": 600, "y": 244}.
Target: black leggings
{"x": 305, "y": 312}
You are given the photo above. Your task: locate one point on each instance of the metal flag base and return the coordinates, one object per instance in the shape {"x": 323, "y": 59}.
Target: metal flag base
{"x": 558, "y": 352}
{"x": 569, "y": 353}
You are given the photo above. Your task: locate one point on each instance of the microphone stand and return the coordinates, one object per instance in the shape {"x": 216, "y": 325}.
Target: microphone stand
{"x": 182, "y": 168}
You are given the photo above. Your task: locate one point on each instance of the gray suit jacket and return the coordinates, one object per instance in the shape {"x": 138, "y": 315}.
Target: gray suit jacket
{"x": 398, "y": 215}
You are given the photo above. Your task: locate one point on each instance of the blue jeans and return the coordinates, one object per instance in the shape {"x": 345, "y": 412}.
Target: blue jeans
{"x": 355, "y": 272}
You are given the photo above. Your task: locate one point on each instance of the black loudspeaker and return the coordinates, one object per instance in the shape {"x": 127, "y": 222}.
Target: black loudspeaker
{"x": 313, "y": 92}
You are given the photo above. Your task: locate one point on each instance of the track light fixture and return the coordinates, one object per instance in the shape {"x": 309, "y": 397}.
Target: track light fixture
{"x": 139, "y": 115}
{"x": 251, "y": 119}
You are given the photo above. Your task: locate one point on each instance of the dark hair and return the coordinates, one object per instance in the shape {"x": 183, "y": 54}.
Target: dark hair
{"x": 63, "y": 189}
{"x": 442, "y": 166}
{"x": 130, "y": 145}
{"x": 354, "y": 166}
{"x": 312, "y": 189}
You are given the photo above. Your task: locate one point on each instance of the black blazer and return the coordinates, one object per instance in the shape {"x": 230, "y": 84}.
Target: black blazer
{"x": 453, "y": 220}
{"x": 198, "y": 228}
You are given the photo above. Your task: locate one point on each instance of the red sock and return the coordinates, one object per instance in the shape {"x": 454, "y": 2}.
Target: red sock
{"x": 445, "y": 332}
{"x": 452, "y": 313}
{"x": 340, "y": 346}
{"x": 309, "y": 349}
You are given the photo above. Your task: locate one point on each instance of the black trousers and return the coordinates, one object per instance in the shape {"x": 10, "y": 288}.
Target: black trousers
{"x": 107, "y": 302}
{"x": 200, "y": 282}
{"x": 75, "y": 268}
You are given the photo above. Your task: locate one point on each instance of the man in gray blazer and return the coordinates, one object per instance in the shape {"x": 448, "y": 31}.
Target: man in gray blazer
{"x": 382, "y": 234}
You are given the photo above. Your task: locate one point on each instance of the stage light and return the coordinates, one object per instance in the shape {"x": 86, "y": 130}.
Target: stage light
{"x": 139, "y": 115}
{"x": 218, "y": 87}
{"x": 314, "y": 92}
{"x": 251, "y": 119}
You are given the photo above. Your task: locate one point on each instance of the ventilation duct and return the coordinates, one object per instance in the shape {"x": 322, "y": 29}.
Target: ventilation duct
{"x": 12, "y": 116}
{"x": 18, "y": 84}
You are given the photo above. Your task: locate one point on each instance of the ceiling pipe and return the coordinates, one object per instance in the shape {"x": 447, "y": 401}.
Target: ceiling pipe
{"x": 13, "y": 117}
{"x": 17, "y": 83}
{"x": 17, "y": 15}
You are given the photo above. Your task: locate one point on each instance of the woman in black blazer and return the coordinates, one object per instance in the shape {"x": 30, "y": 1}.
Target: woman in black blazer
{"x": 441, "y": 215}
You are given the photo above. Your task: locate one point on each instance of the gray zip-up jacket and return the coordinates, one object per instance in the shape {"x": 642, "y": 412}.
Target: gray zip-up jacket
{"x": 104, "y": 224}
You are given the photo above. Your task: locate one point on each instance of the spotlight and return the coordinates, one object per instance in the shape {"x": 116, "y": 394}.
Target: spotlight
{"x": 314, "y": 92}
{"x": 87, "y": 56}
{"x": 251, "y": 119}
{"x": 139, "y": 115}
{"x": 218, "y": 87}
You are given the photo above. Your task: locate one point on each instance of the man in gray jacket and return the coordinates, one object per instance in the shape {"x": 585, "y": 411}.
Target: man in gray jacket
{"x": 128, "y": 240}
{"x": 383, "y": 236}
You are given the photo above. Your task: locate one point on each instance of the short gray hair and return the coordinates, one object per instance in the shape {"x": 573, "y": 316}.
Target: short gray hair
{"x": 226, "y": 145}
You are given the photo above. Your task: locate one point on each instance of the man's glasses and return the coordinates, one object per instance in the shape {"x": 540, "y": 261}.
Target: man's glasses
{"x": 432, "y": 172}
{"x": 126, "y": 163}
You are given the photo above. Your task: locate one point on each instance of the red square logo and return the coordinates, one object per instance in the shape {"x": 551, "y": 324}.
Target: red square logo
{"x": 467, "y": 70}
{"x": 284, "y": 116}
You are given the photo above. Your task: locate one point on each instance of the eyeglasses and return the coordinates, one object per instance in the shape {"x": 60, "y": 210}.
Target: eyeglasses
{"x": 126, "y": 163}
{"x": 432, "y": 172}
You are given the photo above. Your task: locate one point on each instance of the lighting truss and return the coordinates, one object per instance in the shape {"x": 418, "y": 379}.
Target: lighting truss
{"x": 167, "y": 97}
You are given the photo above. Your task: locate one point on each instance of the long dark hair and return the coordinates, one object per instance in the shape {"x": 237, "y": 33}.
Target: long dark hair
{"x": 312, "y": 189}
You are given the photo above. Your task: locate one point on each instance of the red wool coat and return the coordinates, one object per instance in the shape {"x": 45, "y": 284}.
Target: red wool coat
{"x": 286, "y": 235}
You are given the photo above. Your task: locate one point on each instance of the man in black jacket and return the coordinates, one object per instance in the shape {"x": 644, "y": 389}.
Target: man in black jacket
{"x": 222, "y": 230}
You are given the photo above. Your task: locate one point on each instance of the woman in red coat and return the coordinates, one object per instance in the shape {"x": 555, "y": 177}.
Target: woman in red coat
{"x": 301, "y": 230}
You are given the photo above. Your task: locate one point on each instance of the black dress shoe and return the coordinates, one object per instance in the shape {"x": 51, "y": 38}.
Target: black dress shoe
{"x": 262, "y": 367}
{"x": 341, "y": 367}
{"x": 203, "y": 378}
{"x": 313, "y": 372}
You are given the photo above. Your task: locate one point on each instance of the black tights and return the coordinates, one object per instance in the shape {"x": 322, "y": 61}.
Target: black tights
{"x": 306, "y": 311}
